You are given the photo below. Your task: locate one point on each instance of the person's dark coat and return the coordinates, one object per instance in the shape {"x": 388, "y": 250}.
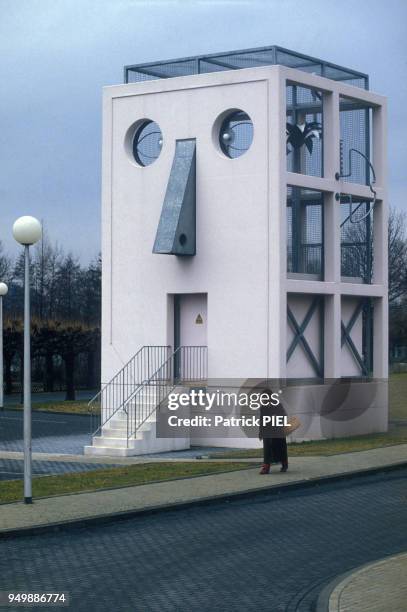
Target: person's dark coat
{"x": 274, "y": 442}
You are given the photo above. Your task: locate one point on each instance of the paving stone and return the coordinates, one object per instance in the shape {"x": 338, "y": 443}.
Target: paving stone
{"x": 264, "y": 554}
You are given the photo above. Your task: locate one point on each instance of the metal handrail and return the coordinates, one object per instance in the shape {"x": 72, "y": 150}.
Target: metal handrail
{"x": 98, "y": 394}
{"x": 187, "y": 364}
{"x": 114, "y": 394}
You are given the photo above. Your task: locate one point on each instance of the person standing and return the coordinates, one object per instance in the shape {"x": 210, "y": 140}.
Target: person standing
{"x": 273, "y": 437}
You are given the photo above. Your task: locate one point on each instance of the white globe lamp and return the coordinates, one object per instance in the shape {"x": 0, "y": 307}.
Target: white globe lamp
{"x": 27, "y": 230}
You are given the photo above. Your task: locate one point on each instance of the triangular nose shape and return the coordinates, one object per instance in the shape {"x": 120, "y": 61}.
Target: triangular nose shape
{"x": 176, "y": 232}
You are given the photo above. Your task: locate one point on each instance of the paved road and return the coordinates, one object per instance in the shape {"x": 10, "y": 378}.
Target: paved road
{"x": 55, "y": 396}
{"x": 267, "y": 554}
{"x": 52, "y": 432}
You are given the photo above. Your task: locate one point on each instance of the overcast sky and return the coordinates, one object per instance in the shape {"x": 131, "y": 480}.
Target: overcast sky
{"x": 56, "y": 55}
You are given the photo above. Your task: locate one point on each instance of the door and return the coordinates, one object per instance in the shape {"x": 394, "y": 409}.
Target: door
{"x": 190, "y": 330}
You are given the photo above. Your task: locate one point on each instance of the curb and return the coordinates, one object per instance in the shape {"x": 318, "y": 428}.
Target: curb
{"x": 204, "y": 501}
{"x": 323, "y": 601}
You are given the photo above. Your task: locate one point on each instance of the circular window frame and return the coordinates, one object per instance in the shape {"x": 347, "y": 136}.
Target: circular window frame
{"x": 219, "y": 128}
{"x": 131, "y": 137}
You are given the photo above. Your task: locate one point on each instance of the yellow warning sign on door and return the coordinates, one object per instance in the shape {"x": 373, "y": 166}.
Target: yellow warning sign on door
{"x": 199, "y": 320}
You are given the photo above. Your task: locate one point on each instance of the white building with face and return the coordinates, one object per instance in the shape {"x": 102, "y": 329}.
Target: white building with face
{"x": 245, "y": 229}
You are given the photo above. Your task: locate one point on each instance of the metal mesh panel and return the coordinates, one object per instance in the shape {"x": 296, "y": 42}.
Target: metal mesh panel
{"x": 356, "y": 240}
{"x": 207, "y": 66}
{"x": 179, "y": 68}
{"x": 305, "y": 104}
{"x": 304, "y": 231}
{"x": 295, "y": 61}
{"x": 135, "y": 76}
{"x": 337, "y": 74}
{"x": 147, "y": 143}
{"x": 248, "y": 58}
{"x": 161, "y": 71}
{"x": 354, "y": 127}
{"x": 313, "y": 223}
{"x": 290, "y": 263}
{"x": 362, "y": 83}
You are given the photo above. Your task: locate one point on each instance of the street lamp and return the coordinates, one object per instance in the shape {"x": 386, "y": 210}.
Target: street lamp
{"x": 3, "y": 292}
{"x": 27, "y": 231}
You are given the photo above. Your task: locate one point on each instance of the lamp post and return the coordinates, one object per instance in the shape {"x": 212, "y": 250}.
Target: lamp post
{"x": 3, "y": 292}
{"x": 27, "y": 231}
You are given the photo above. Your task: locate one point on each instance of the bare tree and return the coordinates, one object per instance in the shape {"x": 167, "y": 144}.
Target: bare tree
{"x": 357, "y": 243}
{"x": 397, "y": 255}
{"x": 6, "y": 267}
{"x": 47, "y": 259}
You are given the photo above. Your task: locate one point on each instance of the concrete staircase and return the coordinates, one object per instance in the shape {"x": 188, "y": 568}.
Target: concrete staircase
{"x": 112, "y": 438}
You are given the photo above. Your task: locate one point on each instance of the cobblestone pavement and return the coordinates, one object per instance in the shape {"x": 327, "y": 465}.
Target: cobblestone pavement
{"x": 11, "y": 469}
{"x": 51, "y": 432}
{"x": 265, "y": 554}
{"x": 192, "y": 453}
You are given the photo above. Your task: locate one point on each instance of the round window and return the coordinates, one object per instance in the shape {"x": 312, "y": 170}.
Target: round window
{"x": 147, "y": 143}
{"x": 236, "y": 134}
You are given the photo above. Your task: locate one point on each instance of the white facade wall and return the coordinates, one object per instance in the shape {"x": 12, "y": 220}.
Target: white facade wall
{"x": 241, "y": 229}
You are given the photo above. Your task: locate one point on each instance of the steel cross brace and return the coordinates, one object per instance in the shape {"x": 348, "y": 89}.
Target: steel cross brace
{"x": 299, "y": 336}
{"x": 346, "y": 337}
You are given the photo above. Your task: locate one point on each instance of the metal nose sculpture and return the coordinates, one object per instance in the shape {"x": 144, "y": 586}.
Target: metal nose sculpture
{"x": 176, "y": 232}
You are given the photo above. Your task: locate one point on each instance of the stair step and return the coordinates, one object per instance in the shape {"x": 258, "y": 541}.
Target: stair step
{"x": 114, "y": 442}
{"x": 118, "y": 423}
{"x": 104, "y": 451}
{"x": 110, "y": 432}
{"x": 140, "y": 448}
{"x": 122, "y": 417}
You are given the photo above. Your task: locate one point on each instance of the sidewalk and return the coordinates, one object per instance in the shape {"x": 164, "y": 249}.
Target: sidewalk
{"x": 376, "y": 587}
{"x": 102, "y": 505}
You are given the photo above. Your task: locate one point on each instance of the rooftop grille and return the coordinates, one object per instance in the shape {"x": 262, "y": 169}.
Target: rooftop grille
{"x": 247, "y": 58}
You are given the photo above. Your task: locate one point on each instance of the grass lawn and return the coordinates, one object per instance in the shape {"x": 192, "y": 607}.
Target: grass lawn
{"x": 327, "y": 447}
{"x": 46, "y": 486}
{"x": 398, "y": 396}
